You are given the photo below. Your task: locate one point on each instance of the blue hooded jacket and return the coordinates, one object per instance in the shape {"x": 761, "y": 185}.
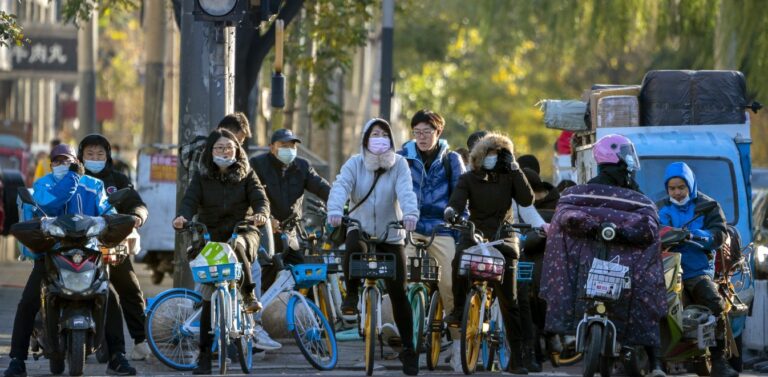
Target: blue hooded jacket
{"x": 696, "y": 261}
{"x": 432, "y": 187}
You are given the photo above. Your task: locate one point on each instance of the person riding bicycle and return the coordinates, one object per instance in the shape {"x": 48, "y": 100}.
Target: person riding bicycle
{"x": 191, "y": 153}
{"x": 385, "y": 174}
{"x": 488, "y": 189}
{"x": 435, "y": 170}
{"x": 223, "y": 193}
{"x": 613, "y": 197}
{"x": 95, "y": 153}
{"x": 66, "y": 190}
{"x": 676, "y": 210}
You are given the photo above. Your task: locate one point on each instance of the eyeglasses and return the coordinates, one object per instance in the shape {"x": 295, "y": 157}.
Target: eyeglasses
{"x": 419, "y": 133}
{"x": 220, "y": 149}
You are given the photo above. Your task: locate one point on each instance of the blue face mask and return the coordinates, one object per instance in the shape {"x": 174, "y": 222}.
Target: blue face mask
{"x": 489, "y": 162}
{"x": 94, "y": 166}
{"x": 60, "y": 171}
{"x": 223, "y": 162}
{"x": 286, "y": 155}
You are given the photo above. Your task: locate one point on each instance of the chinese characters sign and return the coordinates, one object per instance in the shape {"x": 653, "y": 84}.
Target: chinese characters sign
{"x": 162, "y": 168}
{"x": 48, "y": 54}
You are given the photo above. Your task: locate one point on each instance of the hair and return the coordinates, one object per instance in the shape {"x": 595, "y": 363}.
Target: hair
{"x": 430, "y": 117}
{"x": 529, "y": 161}
{"x": 234, "y": 123}
{"x": 213, "y": 137}
{"x": 474, "y": 138}
{"x": 55, "y": 142}
{"x": 564, "y": 184}
{"x": 464, "y": 153}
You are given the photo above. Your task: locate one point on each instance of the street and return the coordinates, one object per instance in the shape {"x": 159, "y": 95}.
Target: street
{"x": 286, "y": 362}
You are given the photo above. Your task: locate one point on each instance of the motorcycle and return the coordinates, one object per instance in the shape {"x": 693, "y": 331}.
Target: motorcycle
{"x": 75, "y": 287}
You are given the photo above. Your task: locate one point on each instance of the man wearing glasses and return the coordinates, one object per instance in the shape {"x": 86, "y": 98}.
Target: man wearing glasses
{"x": 435, "y": 171}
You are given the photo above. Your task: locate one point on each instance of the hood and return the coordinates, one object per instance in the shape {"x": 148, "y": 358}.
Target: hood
{"x": 96, "y": 139}
{"x": 682, "y": 171}
{"x": 367, "y": 128}
{"x": 411, "y": 150}
{"x": 489, "y": 142}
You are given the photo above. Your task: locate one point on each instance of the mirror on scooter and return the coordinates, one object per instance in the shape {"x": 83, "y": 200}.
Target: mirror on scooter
{"x": 26, "y": 197}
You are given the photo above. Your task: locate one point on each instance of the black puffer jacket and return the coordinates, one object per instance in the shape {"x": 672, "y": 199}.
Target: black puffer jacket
{"x": 285, "y": 187}
{"x": 615, "y": 175}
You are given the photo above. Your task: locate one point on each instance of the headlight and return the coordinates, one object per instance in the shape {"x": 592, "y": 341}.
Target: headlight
{"x": 48, "y": 227}
{"x": 96, "y": 229}
{"x": 77, "y": 281}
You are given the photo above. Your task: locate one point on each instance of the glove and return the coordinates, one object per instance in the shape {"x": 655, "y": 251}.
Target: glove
{"x": 259, "y": 220}
{"x": 77, "y": 167}
{"x": 449, "y": 215}
{"x": 334, "y": 220}
{"x": 410, "y": 222}
{"x": 506, "y": 162}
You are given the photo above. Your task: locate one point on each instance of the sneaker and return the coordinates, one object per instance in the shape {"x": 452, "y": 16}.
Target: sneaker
{"x": 263, "y": 341}
{"x": 391, "y": 337}
{"x": 140, "y": 351}
{"x": 456, "y": 357}
{"x": 410, "y": 360}
{"x": 119, "y": 366}
{"x": 453, "y": 319}
{"x": 349, "y": 305}
{"x": 721, "y": 368}
{"x": 16, "y": 368}
{"x": 252, "y": 305}
{"x": 656, "y": 372}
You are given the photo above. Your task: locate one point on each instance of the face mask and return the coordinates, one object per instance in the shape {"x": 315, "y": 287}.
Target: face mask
{"x": 286, "y": 155}
{"x": 94, "y": 166}
{"x": 378, "y": 145}
{"x": 489, "y": 162}
{"x": 223, "y": 162}
{"x": 60, "y": 171}
{"x": 682, "y": 202}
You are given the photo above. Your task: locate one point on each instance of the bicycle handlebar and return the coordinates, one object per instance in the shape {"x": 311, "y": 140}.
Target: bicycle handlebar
{"x": 421, "y": 244}
{"x": 367, "y": 238}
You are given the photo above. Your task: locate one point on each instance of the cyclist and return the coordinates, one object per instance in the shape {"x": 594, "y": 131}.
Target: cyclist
{"x": 435, "y": 170}
{"x": 95, "y": 153}
{"x": 697, "y": 258}
{"x": 224, "y": 192}
{"x": 489, "y": 187}
{"x": 385, "y": 174}
{"x": 65, "y": 190}
{"x": 236, "y": 123}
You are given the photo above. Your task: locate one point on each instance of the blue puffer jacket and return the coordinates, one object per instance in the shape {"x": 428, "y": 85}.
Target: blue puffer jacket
{"x": 696, "y": 261}
{"x": 432, "y": 187}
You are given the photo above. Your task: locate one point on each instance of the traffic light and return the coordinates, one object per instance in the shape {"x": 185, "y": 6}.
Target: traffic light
{"x": 221, "y": 10}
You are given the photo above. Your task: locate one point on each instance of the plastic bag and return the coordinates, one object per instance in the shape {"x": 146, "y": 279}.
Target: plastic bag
{"x": 214, "y": 253}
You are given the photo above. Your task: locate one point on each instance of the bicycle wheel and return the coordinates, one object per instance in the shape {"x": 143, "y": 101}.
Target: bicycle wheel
{"x": 593, "y": 342}
{"x": 471, "y": 332}
{"x": 503, "y": 348}
{"x": 171, "y": 341}
{"x": 417, "y": 301}
{"x": 313, "y": 333}
{"x": 222, "y": 335}
{"x": 435, "y": 330}
{"x": 325, "y": 303}
{"x": 370, "y": 331}
{"x": 488, "y": 348}
{"x": 244, "y": 343}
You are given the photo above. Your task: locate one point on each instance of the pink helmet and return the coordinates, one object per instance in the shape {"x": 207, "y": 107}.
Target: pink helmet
{"x": 611, "y": 149}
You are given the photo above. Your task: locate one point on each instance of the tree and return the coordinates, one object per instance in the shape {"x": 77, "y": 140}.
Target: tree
{"x": 10, "y": 31}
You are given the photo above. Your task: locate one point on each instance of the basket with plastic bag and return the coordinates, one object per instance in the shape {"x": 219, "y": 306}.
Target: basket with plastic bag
{"x": 215, "y": 263}
{"x": 606, "y": 279}
{"x": 483, "y": 262}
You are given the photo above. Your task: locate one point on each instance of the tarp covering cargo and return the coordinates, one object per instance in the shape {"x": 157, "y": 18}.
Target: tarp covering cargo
{"x": 564, "y": 114}
{"x": 692, "y": 97}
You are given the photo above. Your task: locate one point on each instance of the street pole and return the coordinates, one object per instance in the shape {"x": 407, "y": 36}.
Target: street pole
{"x": 206, "y": 94}
{"x": 155, "y": 20}
{"x": 87, "y": 46}
{"x": 387, "y": 44}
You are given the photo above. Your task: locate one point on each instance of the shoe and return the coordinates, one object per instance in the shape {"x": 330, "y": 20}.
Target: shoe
{"x": 203, "y": 363}
{"x": 391, "y": 337}
{"x": 140, "y": 351}
{"x": 453, "y": 319}
{"x": 656, "y": 372}
{"x": 456, "y": 357}
{"x": 349, "y": 305}
{"x": 264, "y": 341}
{"x": 530, "y": 361}
{"x": 252, "y": 305}
{"x": 516, "y": 364}
{"x": 721, "y": 368}
{"x": 119, "y": 366}
{"x": 410, "y": 360}
{"x": 16, "y": 368}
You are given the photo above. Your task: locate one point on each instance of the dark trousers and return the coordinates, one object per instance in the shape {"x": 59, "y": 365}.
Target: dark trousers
{"x": 701, "y": 290}
{"x": 26, "y": 312}
{"x": 269, "y": 272}
{"x": 113, "y": 331}
{"x": 401, "y": 308}
{"x": 129, "y": 301}
{"x": 506, "y": 291}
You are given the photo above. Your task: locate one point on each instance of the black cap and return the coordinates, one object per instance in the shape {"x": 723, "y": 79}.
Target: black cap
{"x": 284, "y": 134}
{"x": 529, "y": 161}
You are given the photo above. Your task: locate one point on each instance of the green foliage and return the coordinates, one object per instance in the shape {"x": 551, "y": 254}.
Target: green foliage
{"x": 10, "y": 31}
{"x": 81, "y": 10}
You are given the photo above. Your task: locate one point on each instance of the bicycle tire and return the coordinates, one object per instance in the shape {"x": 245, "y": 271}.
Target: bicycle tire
{"x": 592, "y": 352}
{"x": 370, "y": 330}
{"x": 222, "y": 333}
{"x": 165, "y": 336}
{"x": 417, "y": 301}
{"x": 244, "y": 343}
{"x": 435, "y": 330}
{"x": 325, "y": 303}
{"x": 470, "y": 334}
{"x": 488, "y": 349}
{"x": 318, "y": 345}
{"x": 76, "y": 351}
{"x": 504, "y": 350}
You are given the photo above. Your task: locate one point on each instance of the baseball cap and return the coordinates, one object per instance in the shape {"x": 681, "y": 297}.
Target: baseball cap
{"x": 284, "y": 134}
{"x": 63, "y": 150}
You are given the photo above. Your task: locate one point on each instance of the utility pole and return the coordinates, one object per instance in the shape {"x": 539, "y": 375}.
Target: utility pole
{"x": 87, "y": 46}
{"x": 155, "y": 21}
{"x": 206, "y": 95}
{"x": 387, "y": 44}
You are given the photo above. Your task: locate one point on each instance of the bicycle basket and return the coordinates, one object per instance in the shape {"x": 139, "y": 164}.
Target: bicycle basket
{"x": 606, "y": 279}
{"x": 482, "y": 262}
{"x": 333, "y": 258}
{"x": 308, "y": 275}
{"x": 372, "y": 266}
{"x": 217, "y": 273}
{"x": 423, "y": 270}
{"x": 524, "y": 271}
{"x": 114, "y": 256}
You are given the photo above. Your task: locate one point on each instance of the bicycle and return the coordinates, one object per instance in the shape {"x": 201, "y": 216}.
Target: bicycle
{"x": 371, "y": 266}
{"x": 304, "y": 319}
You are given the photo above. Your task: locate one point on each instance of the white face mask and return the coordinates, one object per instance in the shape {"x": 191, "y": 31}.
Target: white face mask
{"x": 60, "y": 171}
{"x": 223, "y": 162}
{"x": 682, "y": 202}
{"x": 489, "y": 162}
{"x": 286, "y": 155}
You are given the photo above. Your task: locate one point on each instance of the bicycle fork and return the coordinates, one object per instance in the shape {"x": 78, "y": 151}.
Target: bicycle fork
{"x": 597, "y": 317}
{"x": 370, "y": 284}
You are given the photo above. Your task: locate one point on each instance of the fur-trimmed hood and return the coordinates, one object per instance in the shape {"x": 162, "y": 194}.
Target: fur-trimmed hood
{"x": 491, "y": 141}
{"x": 234, "y": 174}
